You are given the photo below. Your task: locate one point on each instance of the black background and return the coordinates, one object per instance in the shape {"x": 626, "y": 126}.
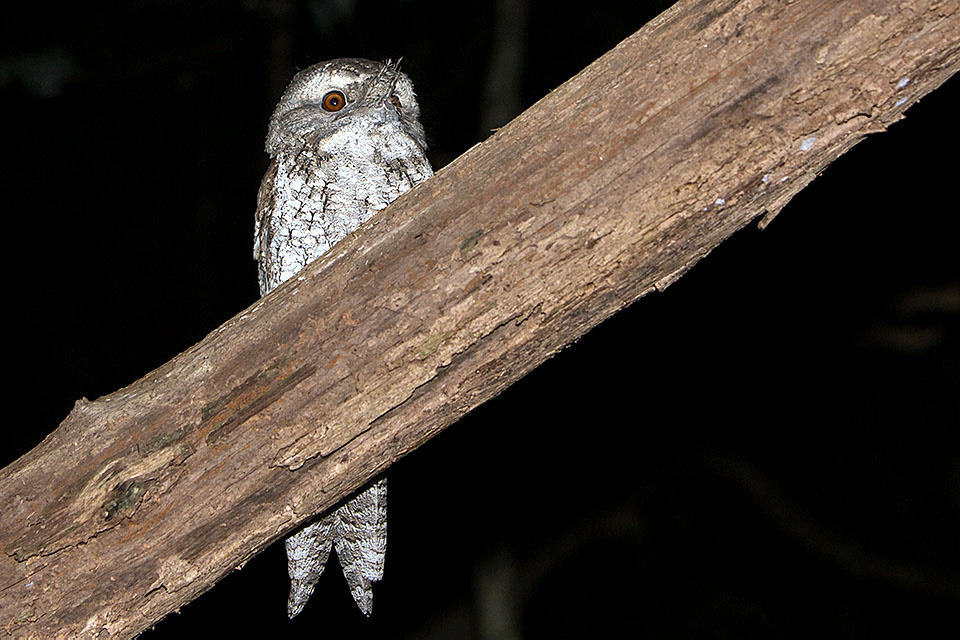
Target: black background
{"x": 771, "y": 444}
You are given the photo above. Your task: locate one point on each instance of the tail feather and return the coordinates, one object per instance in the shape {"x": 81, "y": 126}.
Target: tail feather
{"x": 307, "y": 553}
{"x": 358, "y": 532}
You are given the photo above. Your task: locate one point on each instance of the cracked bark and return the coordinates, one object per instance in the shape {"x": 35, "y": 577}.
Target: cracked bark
{"x": 609, "y": 188}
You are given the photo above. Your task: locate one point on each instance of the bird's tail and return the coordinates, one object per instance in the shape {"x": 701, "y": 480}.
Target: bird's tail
{"x": 358, "y": 532}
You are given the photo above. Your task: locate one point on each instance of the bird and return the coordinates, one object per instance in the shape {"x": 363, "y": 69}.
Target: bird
{"x": 344, "y": 141}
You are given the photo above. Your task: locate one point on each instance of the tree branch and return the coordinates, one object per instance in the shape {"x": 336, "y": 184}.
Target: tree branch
{"x": 607, "y": 189}
{"x": 806, "y": 531}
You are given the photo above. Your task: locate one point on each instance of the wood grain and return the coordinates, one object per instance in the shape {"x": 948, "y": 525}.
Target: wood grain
{"x": 610, "y": 187}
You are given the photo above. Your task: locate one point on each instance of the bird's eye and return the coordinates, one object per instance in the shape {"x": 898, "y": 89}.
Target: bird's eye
{"x": 333, "y": 100}
{"x": 395, "y": 100}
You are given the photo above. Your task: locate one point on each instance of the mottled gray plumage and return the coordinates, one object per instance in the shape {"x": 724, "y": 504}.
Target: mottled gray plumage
{"x": 345, "y": 141}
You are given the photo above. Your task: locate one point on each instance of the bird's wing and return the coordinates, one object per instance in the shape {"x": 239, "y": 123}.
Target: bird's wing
{"x": 266, "y": 201}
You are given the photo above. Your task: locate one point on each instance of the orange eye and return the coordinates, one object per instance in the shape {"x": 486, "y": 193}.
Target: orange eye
{"x": 333, "y": 101}
{"x": 395, "y": 100}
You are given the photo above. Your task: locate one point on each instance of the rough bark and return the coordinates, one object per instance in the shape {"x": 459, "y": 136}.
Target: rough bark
{"x": 609, "y": 188}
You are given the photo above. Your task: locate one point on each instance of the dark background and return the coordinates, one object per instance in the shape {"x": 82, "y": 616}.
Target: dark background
{"x": 772, "y": 443}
